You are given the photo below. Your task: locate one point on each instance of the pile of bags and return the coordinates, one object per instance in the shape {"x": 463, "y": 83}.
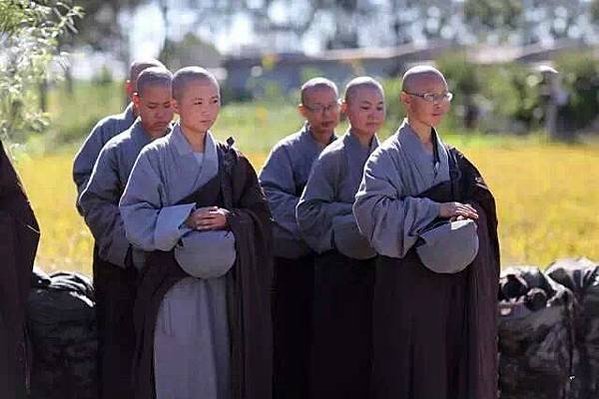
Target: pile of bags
{"x": 549, "y": 331}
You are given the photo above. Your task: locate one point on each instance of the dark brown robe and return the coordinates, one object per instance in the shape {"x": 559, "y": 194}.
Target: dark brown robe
{"x": 235, "y": 188}
{"x": 341, "y": 359}
{"x": 115, "y": 289}
{"x": 19, "y": 236}
{"x": 292, "y": 300}
{"x": 435, "y": 336}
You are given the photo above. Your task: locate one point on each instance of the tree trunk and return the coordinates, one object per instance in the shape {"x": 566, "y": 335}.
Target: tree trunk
{"x": 68, "y": 79}
{"x": 43, "y": 92}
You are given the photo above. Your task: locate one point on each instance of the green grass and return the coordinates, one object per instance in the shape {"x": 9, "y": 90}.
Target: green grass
{"x": 546, "y": 197}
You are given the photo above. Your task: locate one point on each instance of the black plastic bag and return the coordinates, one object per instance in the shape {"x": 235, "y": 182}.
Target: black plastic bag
{"x": 62, "y": 331}
{"x": 536, "y": 336}
{"x": 581, "y": 276}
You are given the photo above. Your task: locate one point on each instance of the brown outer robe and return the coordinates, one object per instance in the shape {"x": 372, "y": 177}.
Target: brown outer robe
{"x": 400, "y": 342}
{"x": 19, "y": 236}
{"x": 248, "y": 287}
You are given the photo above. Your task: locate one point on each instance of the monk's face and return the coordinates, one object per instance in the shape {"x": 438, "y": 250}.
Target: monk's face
{"x": 419, "y": 110}
{"x": 321, "y": 109}
{"x": 198, "y": 105}
{"x": 155, "y": 109}
{"x": 365, "y": 110}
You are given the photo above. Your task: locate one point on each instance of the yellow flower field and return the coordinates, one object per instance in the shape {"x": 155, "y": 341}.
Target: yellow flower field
{"x": 547, "y": 197}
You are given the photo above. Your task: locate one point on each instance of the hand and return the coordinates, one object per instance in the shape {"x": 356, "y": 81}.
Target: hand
{"x": 209, "y": 218}
{"x": 450, "y": 210}
{"x": 193, "y": 220}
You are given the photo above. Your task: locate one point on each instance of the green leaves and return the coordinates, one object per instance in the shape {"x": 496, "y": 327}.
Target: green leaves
{"x": 29, "y": 33}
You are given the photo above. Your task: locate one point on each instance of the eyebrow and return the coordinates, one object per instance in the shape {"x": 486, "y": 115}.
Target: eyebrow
{"x": 320, "y": 103}
{"x": 203, "y": 98}
{"x": 370, "y": 102}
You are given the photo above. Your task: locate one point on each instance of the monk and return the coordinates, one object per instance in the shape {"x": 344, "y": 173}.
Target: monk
{"x": 115, "y": 261}
{"x": 345, "y": 262}
{"x": 108, "y": 127}
{"x": 19, "y": 237}
{"x": 430, "y": 216}
{"x": 283, "y": 179}
{"x": 202, "y": 314}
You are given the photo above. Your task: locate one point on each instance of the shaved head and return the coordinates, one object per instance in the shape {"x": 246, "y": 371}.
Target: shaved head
{"x": 361, "y": 82}
{"x": 315, "y": 84}
{"x": 184, "y": 76}
{"x": 154, "y": 76}
{"x": 138, "y": 66}
{"x": 415, "y": 75}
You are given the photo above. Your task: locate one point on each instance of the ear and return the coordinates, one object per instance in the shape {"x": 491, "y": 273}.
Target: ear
{"x": 343, "y": 108}
{"x": 175, "y": 105}
{"x": 129, "y": 89}
{"x": 405, "y": 98}
{"x": 136, "y": 99}
{"x": 303, "y": 111}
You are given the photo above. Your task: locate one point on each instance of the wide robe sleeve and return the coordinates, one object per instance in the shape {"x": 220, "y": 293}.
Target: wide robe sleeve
{"x": 386, "y": 216}
{"x": 251, "y": 222}
{"x": 483, "y": 277}
{"x": 278, "y": 183}
{"x": 86, "y": 157}
{"x": 19, "y": 237}
{"x": 318, "y": 206}
{"x": 99, "y": 205}
{"x": 149, "y": 224}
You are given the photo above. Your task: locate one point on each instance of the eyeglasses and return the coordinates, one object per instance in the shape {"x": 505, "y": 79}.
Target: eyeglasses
{"x": 319, "y": 108}
{"x": 433, "y": 98}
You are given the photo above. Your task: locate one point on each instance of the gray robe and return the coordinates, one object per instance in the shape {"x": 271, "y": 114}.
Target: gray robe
{"x": 283, "y": 178}
{"x": 324, "y": 212}
{"x": 99, "y": 201}
{"x": 103, "y": 131}
{"x": 387, "y": 210}
{"x": 191, "y": 340}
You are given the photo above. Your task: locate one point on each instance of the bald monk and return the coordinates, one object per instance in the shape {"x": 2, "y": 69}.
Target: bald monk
{"x": 429, "y": 214}
{"x": 19, "y": 236}
{"x": 202, "y": 314}
{"x": 283, "y": 179}
{"x": 345, "y": 262}
{"x": 116, "y": 262}
{"x": 108, "y": 127}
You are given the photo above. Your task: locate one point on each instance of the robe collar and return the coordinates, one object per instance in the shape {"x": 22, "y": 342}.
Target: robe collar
{"x": 353, "y": 143}
{"x": 357, "y": 155}
{"x": 209, "y": 166}
{"x": 129, "y": 113}
{"x": 139, "y": 134}
{"x": 306, "y": 134}
{"x": 414, "y": 149}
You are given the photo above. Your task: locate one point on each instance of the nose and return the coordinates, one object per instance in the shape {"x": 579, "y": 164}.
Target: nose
{"x": 330, "y": 108}
{"x": 164, "y": 115}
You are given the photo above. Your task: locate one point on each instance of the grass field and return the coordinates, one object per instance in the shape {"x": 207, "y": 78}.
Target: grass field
{"x": 547, "y": 194}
